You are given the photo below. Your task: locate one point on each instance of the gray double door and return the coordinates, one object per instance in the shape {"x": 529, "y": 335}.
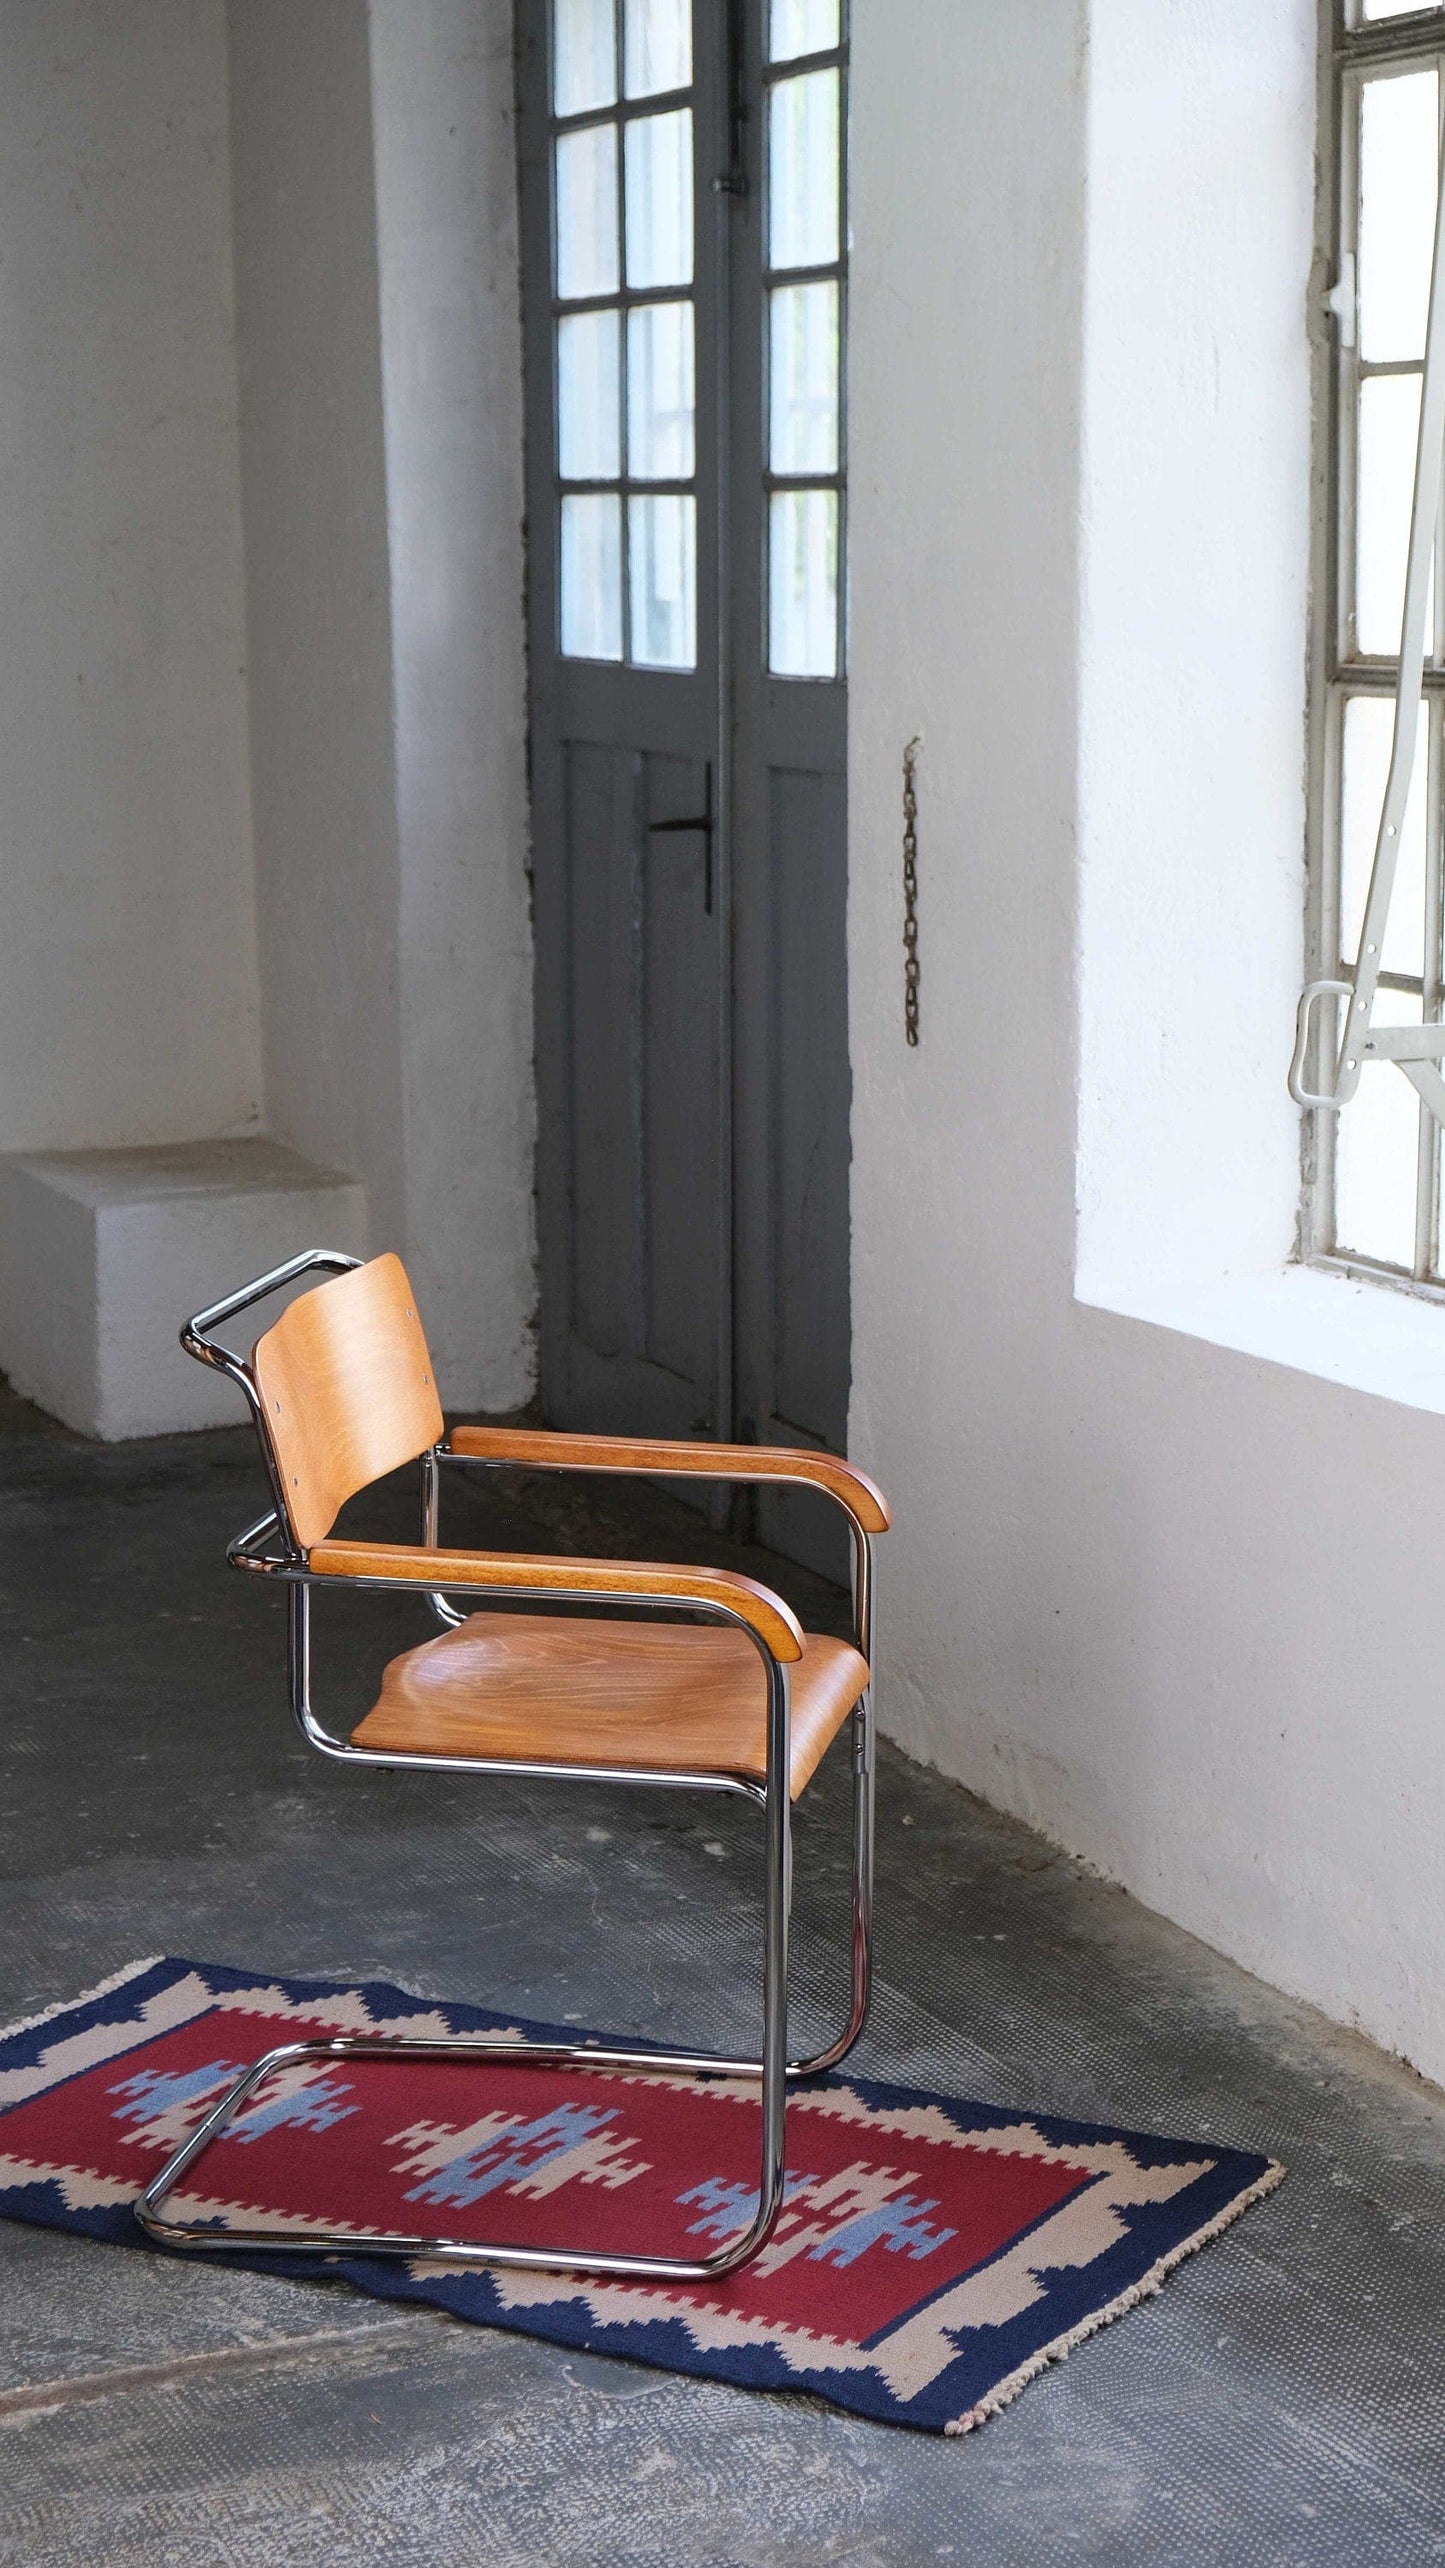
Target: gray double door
{"x": 683, "y": 304}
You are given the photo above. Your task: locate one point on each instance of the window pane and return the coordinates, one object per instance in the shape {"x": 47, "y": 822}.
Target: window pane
{"x": 801, "y": 27}
{"x": 588, "y": 397}
{"x": 1369, "y": 724}
{"x": 592, "y": 576}
{"x": 585, "y": 59}
{"x": 1393, "y": 8}
{"x": 803, "y": 378}
{"x": 1389, "y": 424}
{"x": 662, "y": 545}
{"x": 660, "y": 392}
{"x": 587, "y": 211}
{"x": 803, "y": 584}
{"x": 1376, "y": 1154}
{"x": 803, "y": 171}
{"x": 659, "y": 199}
{"x": 657, "y": 47}
{"x": 1399, "y": 154}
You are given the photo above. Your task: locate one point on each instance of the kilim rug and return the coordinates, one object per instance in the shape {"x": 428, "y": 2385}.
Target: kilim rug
{"x": 932, "y": 2255}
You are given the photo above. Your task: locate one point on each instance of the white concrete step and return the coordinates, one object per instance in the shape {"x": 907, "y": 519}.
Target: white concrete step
{"x": 103, "y": 1253}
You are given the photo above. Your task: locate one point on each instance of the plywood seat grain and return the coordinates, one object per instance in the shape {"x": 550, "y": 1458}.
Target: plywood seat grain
{"x": 670, "y": 1696}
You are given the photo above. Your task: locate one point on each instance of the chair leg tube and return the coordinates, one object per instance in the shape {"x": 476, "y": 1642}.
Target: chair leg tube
{"x": 862, "y": 1899}
{"x": 778, "y": 1899}
{"x": 695, "y": 2063}
{"x": 773, "y": 2070}
{"x": 864, "y": 1743}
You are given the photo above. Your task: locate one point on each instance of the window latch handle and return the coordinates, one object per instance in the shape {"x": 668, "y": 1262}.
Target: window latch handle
{"x": 1340, "y": 302}
{"x": 1312, "y": 993}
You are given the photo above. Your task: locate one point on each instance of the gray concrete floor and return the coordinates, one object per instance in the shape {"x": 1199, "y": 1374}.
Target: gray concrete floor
{"x": 1282, "y": 2402}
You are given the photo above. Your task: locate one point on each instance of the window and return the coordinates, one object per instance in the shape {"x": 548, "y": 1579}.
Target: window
{"x": 1373, "y": 1167}
{"x": 627, "y": 129}
{"x": 803, "y": 291}
{"x": 624, "y": 331}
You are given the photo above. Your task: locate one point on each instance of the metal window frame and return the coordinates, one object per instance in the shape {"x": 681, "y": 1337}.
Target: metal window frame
{"x": 1353, "y": 48}
{"x": 619, "y": 113}
{"x": 830, "y": 272}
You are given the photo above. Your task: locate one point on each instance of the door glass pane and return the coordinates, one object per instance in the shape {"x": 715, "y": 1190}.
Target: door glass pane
{"x": 1389, "y": 424}
{"x": 1369, "y": 725}
{"x": 584, "y": 56}
{"x": 588, "y": 397}
{"x": 1376, "y": 1155}
{"x": 657, "y": 46}
{"x": 1399, "y": 155}
{"x": 662, "y": 548}
{"x": 803, "y": 171}
{"x": 801, "y": 27}
{"x": 803, "y": 583}
{"x": 587, "y": 211}
{"x": 660, "y": 392}
{"x": 803, "y": 378}
{"x": 592, "y": 575}
{"x": 659, "y": 199}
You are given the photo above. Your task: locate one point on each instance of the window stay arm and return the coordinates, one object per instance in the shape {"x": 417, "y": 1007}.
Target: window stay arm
{"x": 1414, "y": 1049}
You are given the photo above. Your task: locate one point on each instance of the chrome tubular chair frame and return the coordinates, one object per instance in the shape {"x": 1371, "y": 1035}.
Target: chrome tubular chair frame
{"x": 269, "y": 1549}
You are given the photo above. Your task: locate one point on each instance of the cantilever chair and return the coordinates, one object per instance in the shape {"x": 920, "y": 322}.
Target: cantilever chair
{"x": 342, "y": 1390}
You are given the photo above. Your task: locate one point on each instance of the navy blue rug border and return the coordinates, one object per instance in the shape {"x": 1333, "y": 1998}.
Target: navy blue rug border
{"x": 988, "y": 2370}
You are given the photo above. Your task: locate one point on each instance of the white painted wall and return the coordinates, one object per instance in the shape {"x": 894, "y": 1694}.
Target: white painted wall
{"x": 313, "y": 481}
{"x": 451, "y": 359}
{"x": 128, "y": 985}
{"x": 1195, "y": 568}
{"x": 1174, "y": 1604}
{"x": 381, "y": 475}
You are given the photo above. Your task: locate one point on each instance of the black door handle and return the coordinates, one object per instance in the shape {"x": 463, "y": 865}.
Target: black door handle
{"x": 702, "y": 823}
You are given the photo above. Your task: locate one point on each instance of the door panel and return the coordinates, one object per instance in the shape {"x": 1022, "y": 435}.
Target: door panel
{"x": 804, "y": 1397}
{"x": 620, "y": 312}
{"x": 640, "y": 1119}
{"x": 809, "y": 1079}
{"x": 602, "y": 801}
{"x": 683, "y": 319}
{"x": 677, "y": 1010}
{"x": 791, "y": 1088}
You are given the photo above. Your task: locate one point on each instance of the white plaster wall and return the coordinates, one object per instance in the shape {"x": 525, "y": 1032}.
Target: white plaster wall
{"x": 313, "y": 482}
{"x": 1195, "y": 568}
{"x": 451, "y": 358}
{"x": 381, "y": 473}
{"x": 128, "y": 986}
{"x": 967, "y": 208}
{"x": 1176, "y": 1605}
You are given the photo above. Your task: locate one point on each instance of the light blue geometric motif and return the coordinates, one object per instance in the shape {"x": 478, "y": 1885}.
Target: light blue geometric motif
{"x": 479, "y": 2171}
{"x": 152, "y": 2092}
{"x": 899, "y": 2224}
{"x": 309, "y": 2108}
{"x": 729, "y": 2208}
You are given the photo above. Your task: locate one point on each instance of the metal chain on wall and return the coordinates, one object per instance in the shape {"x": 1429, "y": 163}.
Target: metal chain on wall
{"x": 910, "y": 893}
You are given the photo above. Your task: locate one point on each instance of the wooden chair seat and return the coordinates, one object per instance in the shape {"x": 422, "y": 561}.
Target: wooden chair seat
{"x": 671, "y": 1696}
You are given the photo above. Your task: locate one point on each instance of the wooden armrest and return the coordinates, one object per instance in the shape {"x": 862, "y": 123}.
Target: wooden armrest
{"x": 764, "y": 1613}
{"x": 555, "y": 1452}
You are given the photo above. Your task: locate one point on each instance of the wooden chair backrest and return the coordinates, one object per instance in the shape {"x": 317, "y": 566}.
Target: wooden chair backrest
{"x": 347, "y": 1386}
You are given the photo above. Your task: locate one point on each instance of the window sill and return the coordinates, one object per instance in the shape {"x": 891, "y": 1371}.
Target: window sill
{"x": 1364, "y": 1335}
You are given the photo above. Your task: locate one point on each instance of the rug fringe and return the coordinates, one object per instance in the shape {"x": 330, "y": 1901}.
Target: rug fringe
{"x": 1145, "y": 2289}
{"x": 67, "y": 2005}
